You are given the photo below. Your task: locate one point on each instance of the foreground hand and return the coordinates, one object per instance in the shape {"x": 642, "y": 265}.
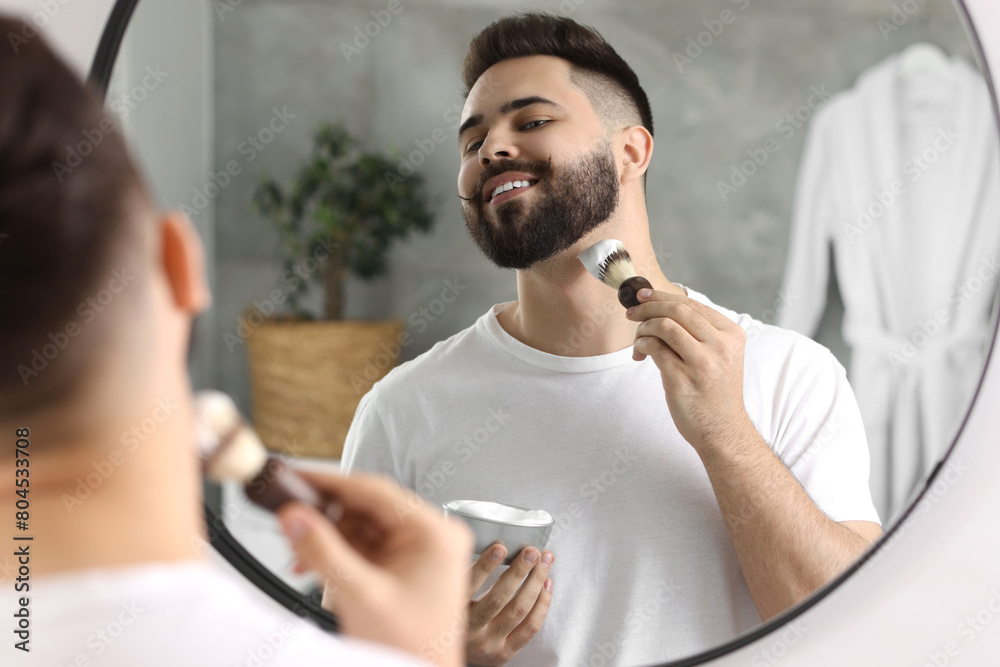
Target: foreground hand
{"x": 396, "y": 578}
{"x": 503, "y": 620}
{"x": 699, "y": 352}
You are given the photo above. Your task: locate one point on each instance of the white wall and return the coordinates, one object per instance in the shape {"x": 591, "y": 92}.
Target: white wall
{"x": 162, "y": 85}
{"x": 73, "y": 27}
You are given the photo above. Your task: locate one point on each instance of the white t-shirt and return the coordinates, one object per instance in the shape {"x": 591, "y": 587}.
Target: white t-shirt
{"x": 191, "y": 613}
{"x": 645, "y": 570}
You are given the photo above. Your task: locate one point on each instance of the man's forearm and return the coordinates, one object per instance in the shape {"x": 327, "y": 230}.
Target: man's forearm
{"x": 786, "y": 546}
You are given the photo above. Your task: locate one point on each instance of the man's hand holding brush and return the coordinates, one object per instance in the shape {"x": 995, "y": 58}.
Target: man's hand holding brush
{"x": 790, "y": 548}
{"x": 699, "y": 352}
{"x": 395, "y": 570}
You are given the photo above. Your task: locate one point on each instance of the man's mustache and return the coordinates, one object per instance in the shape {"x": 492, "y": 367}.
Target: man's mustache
{"x": 539, "y": 169}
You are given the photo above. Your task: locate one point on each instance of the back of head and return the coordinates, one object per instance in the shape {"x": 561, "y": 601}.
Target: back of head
{"x": 69, "y": 195}
{"x": 609, "y": 83}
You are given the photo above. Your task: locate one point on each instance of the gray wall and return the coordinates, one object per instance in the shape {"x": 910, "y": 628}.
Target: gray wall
{"x": 163, "y": 98}
{"x": 399, "y": 88}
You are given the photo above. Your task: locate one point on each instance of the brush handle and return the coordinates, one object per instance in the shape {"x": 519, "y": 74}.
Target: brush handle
{"x": 627, "y": 292}
{"x": 276, "y": 484}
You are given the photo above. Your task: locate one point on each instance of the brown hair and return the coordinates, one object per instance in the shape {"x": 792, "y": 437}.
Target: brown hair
{"x": 610, "y": 84}
{"x": 69, "y": 194}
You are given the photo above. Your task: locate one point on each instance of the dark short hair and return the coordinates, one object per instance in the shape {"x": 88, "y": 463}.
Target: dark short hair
{"x": 610, "y": 84}
{"x": 69, "y": 194}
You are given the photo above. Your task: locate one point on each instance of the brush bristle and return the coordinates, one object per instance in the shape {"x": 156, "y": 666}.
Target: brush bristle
{"x": 229, "y": 448}
{"x": 616, "y": 268}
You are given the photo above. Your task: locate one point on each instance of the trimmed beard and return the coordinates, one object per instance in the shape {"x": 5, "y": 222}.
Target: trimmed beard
{"x": 570, "y": 202}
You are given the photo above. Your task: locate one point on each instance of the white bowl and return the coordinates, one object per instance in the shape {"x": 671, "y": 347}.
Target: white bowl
{"x": 514, "y": 527}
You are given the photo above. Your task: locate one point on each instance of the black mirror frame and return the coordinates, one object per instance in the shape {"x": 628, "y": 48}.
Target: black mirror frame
{"x": 229, "y": 547}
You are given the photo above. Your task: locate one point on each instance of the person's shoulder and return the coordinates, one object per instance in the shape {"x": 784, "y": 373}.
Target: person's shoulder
{"x": 294, "y": 640}
{"x": 191, "y": 600}
{"x": 770, "y": 345}
{"x": 449, "y": 357}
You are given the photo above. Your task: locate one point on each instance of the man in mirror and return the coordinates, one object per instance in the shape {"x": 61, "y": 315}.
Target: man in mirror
{"x": 705, "y": 470}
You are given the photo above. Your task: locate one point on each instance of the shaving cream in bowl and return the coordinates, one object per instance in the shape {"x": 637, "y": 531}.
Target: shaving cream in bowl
{"x": 514, "y": 527}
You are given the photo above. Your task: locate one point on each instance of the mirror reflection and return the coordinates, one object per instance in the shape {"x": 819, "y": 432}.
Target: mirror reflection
{"x": 817, "y": 221}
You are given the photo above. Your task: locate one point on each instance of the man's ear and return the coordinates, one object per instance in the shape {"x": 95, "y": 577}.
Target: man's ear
{"x": 183, "y": 257}
{"x": 637, "y": 151}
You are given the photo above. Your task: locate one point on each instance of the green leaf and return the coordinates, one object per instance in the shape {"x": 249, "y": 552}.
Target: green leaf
{"x": 340, "y": 192}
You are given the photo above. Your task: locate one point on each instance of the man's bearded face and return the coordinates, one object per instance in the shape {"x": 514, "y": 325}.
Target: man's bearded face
{"x": 548, "y": 216}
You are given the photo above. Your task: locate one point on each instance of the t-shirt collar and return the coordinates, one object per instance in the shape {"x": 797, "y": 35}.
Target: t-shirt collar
{"x": 555, "y": 362}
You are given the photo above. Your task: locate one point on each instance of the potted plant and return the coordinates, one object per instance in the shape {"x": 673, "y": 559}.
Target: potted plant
{"x": 338, "y": 216}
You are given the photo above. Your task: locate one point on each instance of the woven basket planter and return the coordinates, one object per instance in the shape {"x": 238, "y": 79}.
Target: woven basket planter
{"x": 307, "y": 378}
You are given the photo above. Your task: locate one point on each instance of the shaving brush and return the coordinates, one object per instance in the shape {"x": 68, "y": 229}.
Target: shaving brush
{"x": 231, "y": 451}
{"x": 609, "y": 262}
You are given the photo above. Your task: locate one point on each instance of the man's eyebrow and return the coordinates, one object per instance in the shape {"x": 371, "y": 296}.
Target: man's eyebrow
{"x": 506, "y": 108}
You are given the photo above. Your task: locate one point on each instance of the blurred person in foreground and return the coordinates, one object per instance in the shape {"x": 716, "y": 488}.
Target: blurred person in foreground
{"x": 99, "y": 291}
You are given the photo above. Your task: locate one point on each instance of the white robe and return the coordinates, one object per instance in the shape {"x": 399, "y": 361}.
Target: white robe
{"x": 918, "y": 274}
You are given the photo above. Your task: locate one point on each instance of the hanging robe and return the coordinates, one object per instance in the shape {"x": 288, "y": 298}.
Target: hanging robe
{"x": 900, "y": 175}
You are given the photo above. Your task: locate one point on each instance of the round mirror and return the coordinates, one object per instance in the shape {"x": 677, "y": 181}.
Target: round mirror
{"x": 822, "y": 171}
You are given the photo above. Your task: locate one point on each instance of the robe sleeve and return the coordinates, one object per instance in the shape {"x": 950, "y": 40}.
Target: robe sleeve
{"x": 807, "y": 267}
